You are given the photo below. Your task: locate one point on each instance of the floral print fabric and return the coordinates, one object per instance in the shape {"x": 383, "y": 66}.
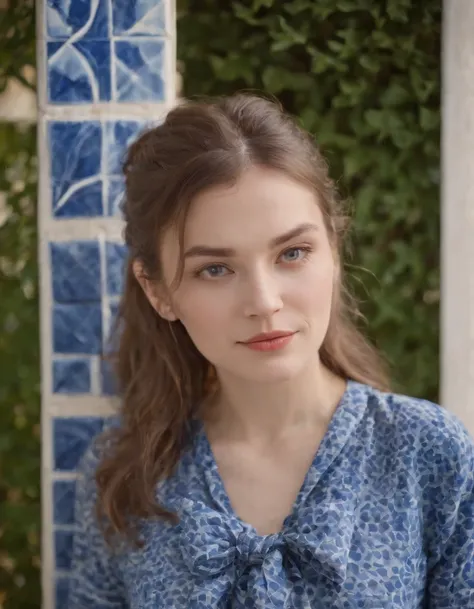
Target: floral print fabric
{"x": 384, "y": 519}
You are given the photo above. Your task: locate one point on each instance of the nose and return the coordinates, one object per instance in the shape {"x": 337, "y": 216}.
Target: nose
{"x": 261, "y": 296}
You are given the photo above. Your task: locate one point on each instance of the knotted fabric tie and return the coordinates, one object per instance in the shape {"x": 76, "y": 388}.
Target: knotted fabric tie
{"x": 230, "y": 561}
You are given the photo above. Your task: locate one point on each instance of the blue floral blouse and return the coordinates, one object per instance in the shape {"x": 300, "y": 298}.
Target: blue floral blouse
{"x": 384, "y": 520}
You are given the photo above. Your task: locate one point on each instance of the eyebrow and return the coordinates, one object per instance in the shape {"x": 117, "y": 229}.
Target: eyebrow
{"x": 227, "y": 252}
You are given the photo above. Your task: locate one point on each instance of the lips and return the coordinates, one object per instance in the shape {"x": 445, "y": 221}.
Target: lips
{"x": 267, "y": 336}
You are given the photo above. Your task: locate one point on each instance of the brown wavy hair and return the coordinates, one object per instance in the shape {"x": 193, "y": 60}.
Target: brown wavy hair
{"x": 161, "y": 375}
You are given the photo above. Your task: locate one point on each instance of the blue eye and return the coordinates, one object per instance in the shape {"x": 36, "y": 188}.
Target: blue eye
{"x": 295, "y": 254}
{"x": 213, "y": 271}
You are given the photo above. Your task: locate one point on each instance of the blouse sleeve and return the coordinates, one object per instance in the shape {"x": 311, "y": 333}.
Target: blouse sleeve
{"x": 95, "y": 583}
{"x": 451, "y": 578}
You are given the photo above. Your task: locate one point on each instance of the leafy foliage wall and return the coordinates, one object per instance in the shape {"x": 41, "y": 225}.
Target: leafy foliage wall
{"x": 363, "y": 76}
{"x": 19, "y": 328}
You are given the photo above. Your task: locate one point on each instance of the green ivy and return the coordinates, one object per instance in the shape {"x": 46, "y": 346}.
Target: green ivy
{"x": 364, "y": 78}
{"x": 19, "y": 372}
{"x": 19, "y": 334}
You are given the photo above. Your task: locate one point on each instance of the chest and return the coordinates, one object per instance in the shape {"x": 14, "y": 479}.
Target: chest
{"x": 263, "y": 485}
{"x": 162, "y": 574}
{"x": 385, "y": 565}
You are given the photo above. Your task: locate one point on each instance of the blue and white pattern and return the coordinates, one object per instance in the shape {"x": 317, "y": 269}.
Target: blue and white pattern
{"x": 76, "y": 271}
{"x": 83, "y": 19}
{"x": 87, "y": 281}
{"x": 97, "y": 50}
{"x": 63, "y": 541}
{"x": 108, "y": 382}
{"x": 106, "y": 71}
{"x": 76, "y": 166}
{"x": 77, "y": 328}
{"x": 64, "y": 497}
{"x": 138, "y": 17}
{"x": 86, "y": 165}
{"x": 115, "y": 193}
{"x": 139, "y": 66}
{"x": 79, "y": 71}
{"x": 72, "y": 376}
{"x": 384, "y": 520}
{"x": 61, "y": 592}
{"x": 72, "y": 436}
{"x": 116, "y": 255}
{"x": 118, "y": 135}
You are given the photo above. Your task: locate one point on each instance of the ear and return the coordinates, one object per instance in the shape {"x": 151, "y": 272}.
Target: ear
{"x": 156, "y": 296}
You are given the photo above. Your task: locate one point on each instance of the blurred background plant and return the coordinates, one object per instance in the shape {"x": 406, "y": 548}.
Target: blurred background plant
{"x": 362, "y": 76}
{"x": 19, "y": 340}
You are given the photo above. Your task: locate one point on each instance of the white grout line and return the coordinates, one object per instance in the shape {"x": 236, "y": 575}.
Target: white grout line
{"x": 109, "y": 110}
{"x": 164, "y": 36}
{"x": 64, "y": 476}
{"x": 104, "y": 296}
{"x": 72, "y": 229}
{"x": 104, "y": 174}
{"x": 113, "y": 63}
{"x": 170, "y": 50}
{"x": 41, "y": 53}
{"x": 81, "y": 405}
{"x": 64, "y": 528}
{"x": 66, "y": 357}
{"x": 47, "y": 550}
{"x": 95, "y": 375}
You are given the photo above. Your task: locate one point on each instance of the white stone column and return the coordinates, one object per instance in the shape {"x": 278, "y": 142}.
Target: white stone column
{"x": 105, "y": 69}
{"x": 457, "y": 200}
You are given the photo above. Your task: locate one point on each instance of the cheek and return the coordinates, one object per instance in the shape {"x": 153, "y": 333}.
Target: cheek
{"x": 314, "y": 292}
{"x": 199, "y": 310}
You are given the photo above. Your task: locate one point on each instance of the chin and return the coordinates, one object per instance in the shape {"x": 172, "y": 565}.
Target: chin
{"x": 273, "y": 372}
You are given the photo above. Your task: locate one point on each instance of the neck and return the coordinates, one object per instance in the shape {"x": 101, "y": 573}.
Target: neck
{"x": 263, "y": 413}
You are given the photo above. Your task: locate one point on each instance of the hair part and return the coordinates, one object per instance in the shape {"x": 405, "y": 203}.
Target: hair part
{"x": 162, "y": 377}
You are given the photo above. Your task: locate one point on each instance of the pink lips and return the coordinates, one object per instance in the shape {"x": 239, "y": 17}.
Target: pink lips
{"x": 269, "y": 341}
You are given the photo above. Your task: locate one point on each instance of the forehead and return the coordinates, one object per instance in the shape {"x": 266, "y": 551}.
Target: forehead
{"x": 260, "y": 206}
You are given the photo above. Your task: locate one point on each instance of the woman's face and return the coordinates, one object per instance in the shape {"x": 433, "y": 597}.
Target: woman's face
{"x": 257, "y": 260}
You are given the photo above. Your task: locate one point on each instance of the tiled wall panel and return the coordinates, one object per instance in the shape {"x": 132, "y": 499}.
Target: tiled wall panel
{"x": 106, "y": 70}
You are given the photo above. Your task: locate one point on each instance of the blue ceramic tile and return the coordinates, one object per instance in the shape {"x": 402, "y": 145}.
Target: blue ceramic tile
{"x": 75, "y": 149}
{"x": 64, "y": 498}
{"x": 62, "y": 593}
{"x": 115, "y": 194}
{"x": 75, "y": 152}
{"x": 117, "y": 138}
{"x": 75, "y": 200}
{"x": 112, "y": 331}
{"x": 71, "y": 376}
{"x": 138, "y": 17}
{"x": 108, "y": 379}
{"x": 63, "y": 549}
{"x": 116, "y": 255}
{"x": 77, "y": 328}
{"x": 113, "y": 310}
{"x": 139, "y": 66}
{"x": 79, "y": 72}
{"x": 81, "y": 18}
{"x": 75, "y": 268}
{"x": 72, "y": 436}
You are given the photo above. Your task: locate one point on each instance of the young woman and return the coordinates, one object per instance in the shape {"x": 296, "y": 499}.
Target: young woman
{"x": 258, "y": 459}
